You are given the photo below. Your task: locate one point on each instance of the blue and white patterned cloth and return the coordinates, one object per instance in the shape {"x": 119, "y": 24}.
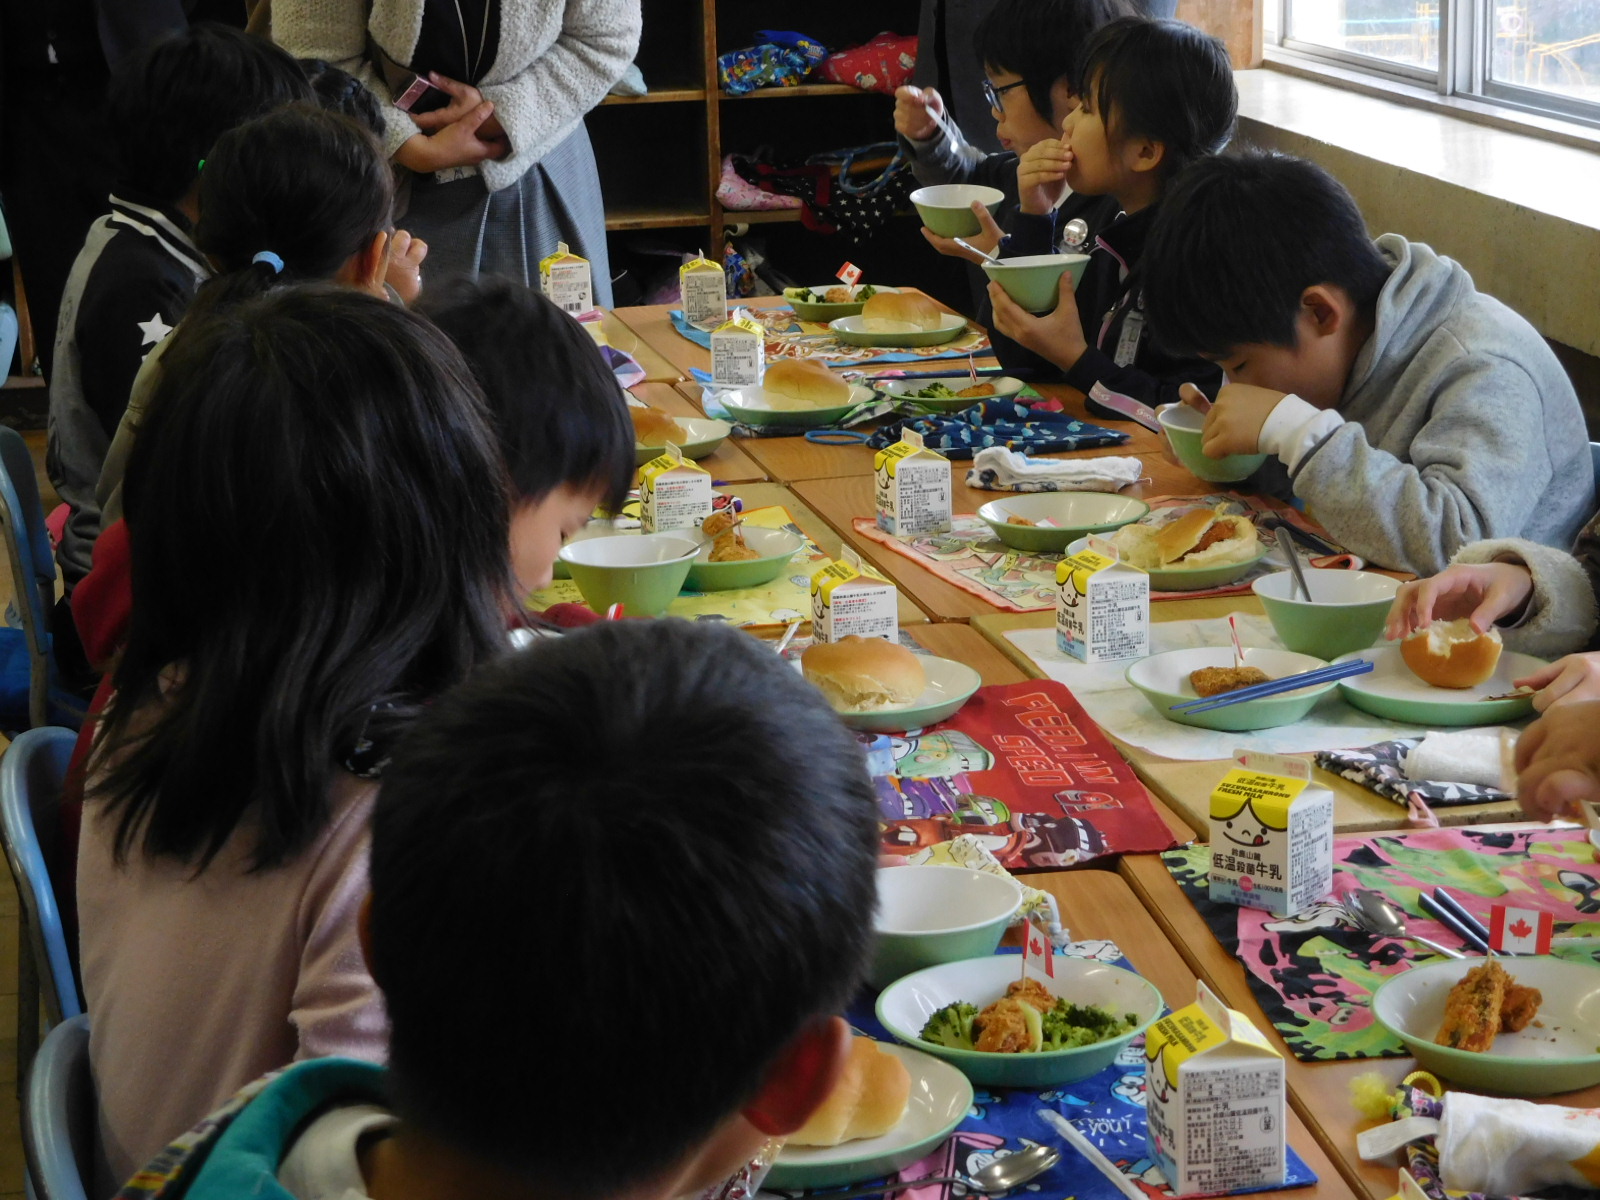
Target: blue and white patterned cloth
{"x": 1007, "y": 423}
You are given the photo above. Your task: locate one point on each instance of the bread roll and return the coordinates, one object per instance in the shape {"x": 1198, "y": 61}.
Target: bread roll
{"x": 1451, "y": 654}
{"x": 808, "y": 384}
{"x": 861, "y": 674}
{"x": 1198, "y": 539}
{"x": 900, "y": 312}
{"x": 652, "y": 427}
{"x": 869, "y": 1100}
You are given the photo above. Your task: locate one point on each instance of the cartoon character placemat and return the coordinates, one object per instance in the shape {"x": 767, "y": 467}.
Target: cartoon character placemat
{"x": 1022, "y": 768}
{"x": 1314, "y": 973}
{"x": 1107, "y": 1108}
{"x": 790, "y": 337}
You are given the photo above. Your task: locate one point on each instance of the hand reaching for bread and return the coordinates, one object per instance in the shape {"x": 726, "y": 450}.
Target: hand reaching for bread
{"x": 1481, "y": 593}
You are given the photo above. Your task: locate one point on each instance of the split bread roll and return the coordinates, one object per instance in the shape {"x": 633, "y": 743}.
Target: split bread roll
{"x": 1198, "y": 539}
{"x": 652, "y": 427}
{"x": 900, "y": 312}
{"x": 1451, "y": 654}
{"x": 860, "y": 674}
{"x": 868, "y": 1102}
{"x": 808, "y": 384}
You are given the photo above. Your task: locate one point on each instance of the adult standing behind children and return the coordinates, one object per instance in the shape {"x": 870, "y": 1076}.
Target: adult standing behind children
{"x": 330, "y": 453}
{"x": 1410, "y": 412}
{"x": 502, "y": 170}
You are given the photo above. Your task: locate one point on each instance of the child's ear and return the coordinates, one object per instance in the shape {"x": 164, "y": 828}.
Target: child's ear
{"x": 1144, "y": 154}
{"x": 801, "y": 1078}
{"x": 364, "y": 270}
{"x": 1325, "y": 309}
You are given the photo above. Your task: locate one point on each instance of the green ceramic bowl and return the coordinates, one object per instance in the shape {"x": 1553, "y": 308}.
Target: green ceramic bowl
{"x": 1075, "y": 514}
{"x": 1346, "y": 611}
{"x": 1391, "y": 690}
{"x": 1164, "y": 680}
{"x": 929, "y": 915}
{"x": 1005, "y": 387}
{"x": 853, "y": 331}
{"x": 775, "y": 546}
{"x": 704, "y": 436}
{"x": 905, "y": 1006}
{"x": 821, "y": 311}
{"x": 941, "y": 1096}
{"x": 643, "y": 573}
{"x": 950, "y": 685}
{"x": 757, "y": 406}
{"x": 1183, "y": 425}
{"x": 1194, "y": 580}
{"x": 1560, "y": 1053}
{"x": 946, "y": 208}
{"x": 1034, "y": 280}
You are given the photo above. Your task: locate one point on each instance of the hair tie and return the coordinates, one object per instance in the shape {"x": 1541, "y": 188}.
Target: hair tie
{"x": 271, "y": 259}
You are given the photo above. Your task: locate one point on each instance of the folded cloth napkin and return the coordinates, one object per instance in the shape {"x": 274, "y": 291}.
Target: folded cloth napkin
{"x": 998, "y": 469}
{"x": 1006, "y": 423}
{"x": 1501, "y": 1147}
{"x": 1464, "y": 756}
{"x": 1380, "y": 767}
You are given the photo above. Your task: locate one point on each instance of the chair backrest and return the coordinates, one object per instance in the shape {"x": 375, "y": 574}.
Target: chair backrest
{"x": 33, "y": 564}
{"x": 1594, "y": 457}
{"x": 31, "y": 772}
{"x": 59, "y": 1115}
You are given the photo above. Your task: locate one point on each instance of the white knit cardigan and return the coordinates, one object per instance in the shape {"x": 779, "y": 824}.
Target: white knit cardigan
{"x": 556, "y": 61}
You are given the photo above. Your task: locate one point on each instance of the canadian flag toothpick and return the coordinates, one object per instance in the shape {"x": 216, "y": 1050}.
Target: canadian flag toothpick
{"x": 849, "y": 273}
{"x": 1520, "y": 930}
{"x": 1037, "y": 951}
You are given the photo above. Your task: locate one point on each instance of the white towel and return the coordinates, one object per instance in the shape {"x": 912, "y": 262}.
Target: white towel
{"x": 1469, "y": 756}
{"x": 998, "y": 469}
{"x": 1506, "y": 1147}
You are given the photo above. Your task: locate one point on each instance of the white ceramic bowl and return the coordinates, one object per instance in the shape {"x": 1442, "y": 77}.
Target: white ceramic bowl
{"x": 935, "y": 914}
{"x": 1164, "y": 680}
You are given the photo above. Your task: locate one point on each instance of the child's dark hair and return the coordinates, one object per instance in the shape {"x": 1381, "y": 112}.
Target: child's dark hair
{"x": 1238, "y": 239}
{"x": 339, "y": 91}
{"x": 306, "y": 185}
{"x": 171, "y": 102}
{"x": 560, "y": 414}
{"x": 319, "y": 533}
{"x": 646, "y": 850}
{"x": 1164, "y": 80}
{"x": 1042, "y": 41}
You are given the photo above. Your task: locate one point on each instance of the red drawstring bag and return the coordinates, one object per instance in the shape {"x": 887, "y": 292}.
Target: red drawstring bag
{"x": 881, "y": 65}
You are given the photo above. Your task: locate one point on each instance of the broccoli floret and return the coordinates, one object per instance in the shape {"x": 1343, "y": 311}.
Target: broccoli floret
{"x": 951, "y": 1026}
{"x": 1068, "y": 1025}
{"x": 867, "y": 292}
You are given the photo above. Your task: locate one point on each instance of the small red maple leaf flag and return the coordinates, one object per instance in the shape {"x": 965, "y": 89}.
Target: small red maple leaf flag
{"x": 849, "y": 273}
{"x": 1037, "y": 951}
{"x": 1520, "y": 930}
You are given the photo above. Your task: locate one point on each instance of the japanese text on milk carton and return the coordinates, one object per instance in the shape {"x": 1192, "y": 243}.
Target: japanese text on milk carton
{"x": 846, "y": 600}
{"x": 565, "y": 278}
{"x": 1102, "y": 608}
{"x": 912, "y": 487}
{"x": 1271, "y": 836}
{"x": 738, "y": 352}
{"x": 1214, "y": 1097}
{"x": 703, "y": 289}
{"x": 674, "y": 493}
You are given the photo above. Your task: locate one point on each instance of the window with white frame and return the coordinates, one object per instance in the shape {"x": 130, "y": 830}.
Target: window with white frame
{"x": 1539, "y": 55}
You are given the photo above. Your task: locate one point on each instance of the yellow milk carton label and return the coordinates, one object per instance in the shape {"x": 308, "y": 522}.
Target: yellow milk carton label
{"x": 846, "y": 600}
{"x": 912, "y": 486}
{"x": 738, "y": 352}
{"x": 1271, "y": 841}
{"x": 566, "y": 279}
{"x": 674, "y": 492}
{"x": 703, "y": 291}
{"x": 1102, "y": 608}
{"x": 1214, "y": 1100}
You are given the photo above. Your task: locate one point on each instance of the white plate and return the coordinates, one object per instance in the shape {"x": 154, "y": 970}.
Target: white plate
{"x": 940, "y": 1099}
{"x": 1392, "y": 690}
{"x": 858, "y": 325}
{"x": 950, "y": 685}
{"x": 761, "y": 400}
{"x": 1005, "y": 387}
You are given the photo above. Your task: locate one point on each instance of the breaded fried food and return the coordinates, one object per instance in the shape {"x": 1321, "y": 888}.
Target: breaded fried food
{"x": 838, "y": 295}
{"x": 1213, "y": 681}
{"x": 976, "y": 390}
{"x": 1472, "y": 1010}
{"x": 717, "y": 524}
{"x": 1002, "y": 1028}
{"x": 730, "y": 547}
{"x": 1520, "y": 1007}
{"x": 1031, "y": 991}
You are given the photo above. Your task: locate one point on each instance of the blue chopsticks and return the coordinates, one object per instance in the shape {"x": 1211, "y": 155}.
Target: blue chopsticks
{"x": 1273, "y": 687}
{"x": 1448, "y": 911}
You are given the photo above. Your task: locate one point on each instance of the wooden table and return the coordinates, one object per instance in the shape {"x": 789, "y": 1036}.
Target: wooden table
{"x": 619, "y": 335}
{"x": 1098, "y": 904}
{"x": 729, "y": 463}
{"x": 1186, "y": 786}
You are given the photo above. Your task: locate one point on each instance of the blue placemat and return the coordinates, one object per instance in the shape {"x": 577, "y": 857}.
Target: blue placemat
{"x": 1008, "y": 423}
{"x": 842, "y": 354}
{"x": 1108, "y": 1109}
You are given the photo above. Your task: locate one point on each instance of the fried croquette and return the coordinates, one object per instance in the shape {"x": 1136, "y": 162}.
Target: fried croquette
{"x": 976, "y": 390}
{"x": 1002, "y": 1028}
{"x": 1213, "y": 681}
{"x": 730, "y": 547}
{"x": 1031, "y": 991}
{"x": 1520, "y": 1007}
{"x": 1472, "y": 1011}
{"x": 717, "y": 524}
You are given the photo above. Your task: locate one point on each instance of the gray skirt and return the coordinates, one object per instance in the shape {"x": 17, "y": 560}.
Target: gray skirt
{"x": 471, "y": 230}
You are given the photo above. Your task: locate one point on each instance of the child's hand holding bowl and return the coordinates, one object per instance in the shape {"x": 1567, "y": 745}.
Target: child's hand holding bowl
{"x": 1057, "y": 335}
{"x": 986, "y": 241}
{"x": 1233, "y": 426}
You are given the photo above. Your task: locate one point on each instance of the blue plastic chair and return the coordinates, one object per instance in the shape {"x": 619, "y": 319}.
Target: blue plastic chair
{"x": 60, "y": 1116}
{"x": 33, "y": 578}
{"x": 31, "y": 772}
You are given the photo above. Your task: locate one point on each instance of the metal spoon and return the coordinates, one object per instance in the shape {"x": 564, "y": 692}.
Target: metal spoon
{"x": 1372, "y": 912}
{"x": 1002, "y": 1175}
{"x": 987, "y": 257}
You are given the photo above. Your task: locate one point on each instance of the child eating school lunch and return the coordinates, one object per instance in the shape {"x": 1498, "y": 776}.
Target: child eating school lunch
{"x": 1409, "y": 412}
{"x": 622, "y": 882}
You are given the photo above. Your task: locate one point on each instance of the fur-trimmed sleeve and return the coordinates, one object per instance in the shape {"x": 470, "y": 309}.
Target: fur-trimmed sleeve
{"x": 1561, "y": 616}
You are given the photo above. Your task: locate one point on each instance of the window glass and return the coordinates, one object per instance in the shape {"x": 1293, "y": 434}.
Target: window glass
{"x": 1403, "y": 32}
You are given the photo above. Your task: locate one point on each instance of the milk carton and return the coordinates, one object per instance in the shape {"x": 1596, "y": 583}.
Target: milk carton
{"x": 703, "y": 289}
{"x": 1102, "y": 606}
{"x": 1271, "y": 836}
{"x": 846, "y": 600}
{"x": 1214, "y": 1098}
{"x": 912, "y": 486}
{"x": 565, "y": 278}
{"x": 738, "y": 352}
{"x": 674, "y": 492}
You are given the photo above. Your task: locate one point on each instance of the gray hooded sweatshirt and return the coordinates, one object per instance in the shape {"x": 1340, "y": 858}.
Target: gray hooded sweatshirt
{"x": 1457, "y": 424}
